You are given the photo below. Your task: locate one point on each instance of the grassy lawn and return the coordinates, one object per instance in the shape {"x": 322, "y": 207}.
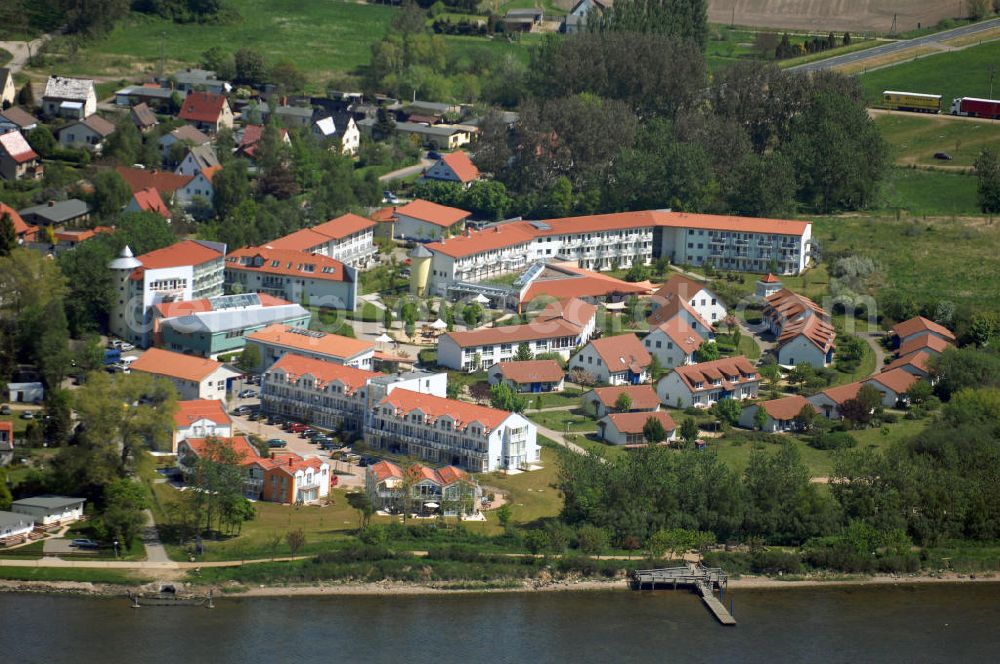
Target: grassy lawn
{"x": 555, "y": 399}
{"x": 532, "y": 494}
{"x": 954, "y": 74}
{"x": 597, "y": 447}
{"x": 734, "y": 450}
{"x": 916, "y": 138}
{"x": 930, "y": 193}
{"x": 855, "y": 45}
{"x": 914, "y": 255}
{"x": 564, "y": 420}
{"x": 33, "y": 550}
{"x": 885, "y": 436}
{"x": 122, "y": 577}
{"x": 746, "y": 346}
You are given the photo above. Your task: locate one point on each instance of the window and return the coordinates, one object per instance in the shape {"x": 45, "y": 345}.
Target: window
{"x": 659, "y": 344}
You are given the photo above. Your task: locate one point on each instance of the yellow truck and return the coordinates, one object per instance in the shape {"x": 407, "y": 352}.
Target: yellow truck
{"x": 911, "y": 101}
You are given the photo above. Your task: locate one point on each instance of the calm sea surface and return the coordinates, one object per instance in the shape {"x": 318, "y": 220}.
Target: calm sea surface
{"x": 925, "y": 624}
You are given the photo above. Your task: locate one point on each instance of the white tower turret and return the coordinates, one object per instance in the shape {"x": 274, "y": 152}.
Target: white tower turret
{"x": 122, "y": 267}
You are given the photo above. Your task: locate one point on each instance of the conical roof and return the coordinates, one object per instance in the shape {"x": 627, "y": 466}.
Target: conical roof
{"x": 420, "y": 251}
{"x": 125, "y": 261}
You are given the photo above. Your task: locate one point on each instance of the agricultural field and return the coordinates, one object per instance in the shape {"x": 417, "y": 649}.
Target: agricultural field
{"x": 853, "y": 15}
{"x": 963, "y": 73}
{"x": 924, "y": 193}
{"x": 916, "y": 138}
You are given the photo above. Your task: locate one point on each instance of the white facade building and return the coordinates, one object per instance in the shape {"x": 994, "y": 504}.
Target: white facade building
{"x": 348, "y": 239}
{"x": 702, "y": 384}
{"x": 619, "y": 360}
{"x": 274, "y": 341}
{"x": 50, "y": 510}
{"x": 194, "y": 377}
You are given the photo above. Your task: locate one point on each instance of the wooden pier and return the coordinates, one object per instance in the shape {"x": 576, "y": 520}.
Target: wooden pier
{"x": 701, "y": 579}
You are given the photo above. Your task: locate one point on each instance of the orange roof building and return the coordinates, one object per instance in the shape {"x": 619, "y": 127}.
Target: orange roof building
{"x": 274, "y": 341}
{"x": 603, "y": 400}
{"x": 206, "y": 111}
{"x": 148, "y": 200}
{"x": 781, "y": 413}
{"x": 802, "y": 329}
{"x": 703, "y": 384}
{"x": 829, "y": 400}
{"x": 285, "y": 477}
{"x": 448, "y": 490}
{"x": 454, "y": 167}
{"x": 293, "y": 275}
{"x": 917, "y": 363}
{"x": 24, "y": 231}
{"x": 139, "y": 179}
{"x": 618, "y": 360}
{"x": 439, "y": 430}
{"x": 628, "y": 428}
{"x": 200, "y": 418}
{"x": 528, "y": 375}
{"x": 917, "y": 326}
{"x": 424, "y": 220}
{"x": 194, "y": 377}
{"x": 893, "y": 384}
{"x": 348, "y": 239}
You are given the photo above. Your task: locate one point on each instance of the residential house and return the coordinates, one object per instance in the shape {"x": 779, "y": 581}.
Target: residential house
{"x": 186, "y": 270}
{"x": 315, "y": 391}
{"x": 32, "y": 392}
{"x": 424, "y": 220}
{"x": 15, "y": 528}
{"x": 293, "y": 275}
{"x": 627, "y": 428}
{"x": 803, "y": 329}
{"x": 190, "y": 450}
{"x": 673, "y": 343}
{"x": 143, "y": 118}
{"x": 292, "y": 117}
{"x": 909, "y": 331}
{"x": 250, "y": 139}
{"x": 528, "y": 376}
{"x": 186, "y": 135}
{"x": 8, "y": 93}
{"x": 348, "y": 239}
{"x": 701, "y": 385}
{"x": 893, "y": 385}
{"x": 418, "y": 489}
{"x": 23, "y": 231}
{"x": 916, "y": 363}
{"x": 6, "y": 442}
{"x": 931, "y": 344}
{"x": 66, "y": 97}
{"x": 166, "y": 184}
{"x": 194, "y": 377}
{"x": 198, "y": 159}
{"x": 200, "y": 418}
{"x": 212, "y": 326}
{"x": 194, "y": 79}
{"x": 454, "y": 167}
{"x": 17, "y": 160}
{"x": 207, "y": 112}
{"x": 340, "y": 126}
{"x": 17, "y": 118}
{"x": 149, "y": 95}
{"x": 71, "y": 212}
{"x": 287, "y": 478}
{"x": 831, "y": 399}
{"x": 576, "y": 19}
{"x": 601, "y": 401}
{"x": 440, "y": 430}
{"x": 619, "y": 360}
{"x": 706, "y": 303}
{"x": 276, "y": 340}
{"x": 439, "y": 136}
{"x": 148, "y": 200}
{"x": 49, "y": 511}
{"x": 523, "y": 20}
{"x": 199, "y": 187}
{"x": 781, "y": 414}
{"x": 558, "y": 329}
{"x": 89, "y": 133}
{"x": 62, "y": 239}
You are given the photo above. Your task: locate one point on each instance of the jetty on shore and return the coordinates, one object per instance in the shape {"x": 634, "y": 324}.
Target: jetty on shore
{"x": 701, "y": 579}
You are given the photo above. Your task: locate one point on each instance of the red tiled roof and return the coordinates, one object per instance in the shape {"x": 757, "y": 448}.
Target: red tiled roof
{"x": 512, "y": 334}
{"x": 287, "y": 462}
{"x": 383, "y": 214}
{"x": 209, "y": 173}
{"x": 634, "y": 422}
{"x": 898, "y": 380}
{"x": 335, "y": 229}
{"x": 433, "y": 407}
{"x": 189, "y": 412}
{"x": 532, "y": 371}
{"x": 141, "y": 178}
{"x": 573, "y": 309}
{"x": 440, "y": 215}
{"x": 643, "y": 396}
{"x": 678, "y": 286}
{"x": 188, "y": 307}
{"x": 175, "y": 365}
{"x": 925, "y": 342}
{"x": 680, "y": 332}
{"x": 917, "y": 359}
{"x": 476, "y": 242}
{"x": 727, "y": 369}
{"x": 622, "y": 352}
{"x": 16, "y": 147}
{"x": 842, "y": 393}
{"x": 149, "y": 200}
{"x": 452, "y": 474}
{"x": 287, "y": 263}
{"x": 920, "y": 324}
{"x": 202, "y": 107}
{"x": 786, "y": 408}
{"x": 240, "y": 444}
{"x": 383, "y": 470}
{"x": 295, "y": 366}
{"x": 670, "y": 307}
{"x": 579, "y": 283}
{"x": 820, "y": 333}
{"x": 20, "y": 226}
{"x": 333, "y": 345}
{"x": 185, "y": 252}
{"x": 461, "y": 166}
{"x": 785, "y": 305}
{"x": 770, "y": 279}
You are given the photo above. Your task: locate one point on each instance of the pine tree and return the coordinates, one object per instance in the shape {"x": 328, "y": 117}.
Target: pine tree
{"x": 8, "y": 234}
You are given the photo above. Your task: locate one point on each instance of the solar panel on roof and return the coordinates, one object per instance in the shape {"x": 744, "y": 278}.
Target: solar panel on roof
{"x": 540, "y": 225}
{"x": 220, "y": 302}
{"x": 315, "y": 334}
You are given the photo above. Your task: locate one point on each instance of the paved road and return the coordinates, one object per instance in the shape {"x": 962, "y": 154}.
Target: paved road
{"x": 155, "y": 551}
{"x": 20, "y": 51}
{"x": 897, "y": 46}
{"x": 401, "y": 173}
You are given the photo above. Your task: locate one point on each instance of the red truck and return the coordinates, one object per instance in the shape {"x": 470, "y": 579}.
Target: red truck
{"x": 976, "y": 108}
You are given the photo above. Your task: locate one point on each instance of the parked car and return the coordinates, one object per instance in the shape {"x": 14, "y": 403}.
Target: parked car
{"x": 304, "y": 433}
{"x": 276, "y": 442}
{"x": 85, "y": 543}
{"x": 433, "y": 154}
{"x": 5, "y": 410}
{"x": 242, "y": 410}
{"x": 297, "y": 427}
{"x": 126, "y": 346}
{"x": 27, "y": 415}
{"x": 943, "y": 156}
{"x": 247, "y": 394}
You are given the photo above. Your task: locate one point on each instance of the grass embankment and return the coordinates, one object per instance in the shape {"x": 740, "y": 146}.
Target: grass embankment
{"x": 925, "y": 193}
{"x": 963, "y": 73}
{"x": 917, "y": 138}
{"x": 79, "y": 574}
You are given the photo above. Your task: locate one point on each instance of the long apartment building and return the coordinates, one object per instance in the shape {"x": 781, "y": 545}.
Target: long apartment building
{"x": 348, "y": 239}
{"x": 277, "y": 340}
{"x": 187, "y": 270}
{"x": 607, "y": 241}
{"x": 559, "y": 328}
{"x": 440, "y": 430}
{"x": 296, "y": 276}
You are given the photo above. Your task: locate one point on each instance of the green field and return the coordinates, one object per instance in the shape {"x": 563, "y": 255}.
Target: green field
{"x": 916, "y": 138}
{"x": 962, "y": 73}
{"x": 928, "y": 260}
{"x": 929, "y": 193}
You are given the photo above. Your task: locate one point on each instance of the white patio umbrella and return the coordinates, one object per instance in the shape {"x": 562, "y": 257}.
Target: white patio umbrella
{"x": 432, "y": 505}
{"x": 383, "y": 338}
{"x": 439, "y": 325}
{"x": 482, "y": 299}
